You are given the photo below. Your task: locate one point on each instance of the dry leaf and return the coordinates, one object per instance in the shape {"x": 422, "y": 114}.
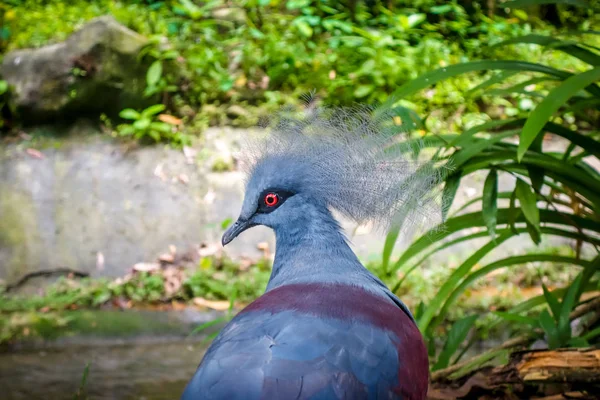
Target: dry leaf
{"x": 34, "y": 153}
{"x": 183, "y": 178}
{"x": 169, "y": 119}
{"x": 146, "y": 267}
{"x": 221, "y": 305}
{"x": 166, "y": 258}
{"x": 99, "y": 261}
{"x": 158, "y": 171}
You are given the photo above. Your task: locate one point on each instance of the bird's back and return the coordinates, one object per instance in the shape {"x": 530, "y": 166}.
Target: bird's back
{"x": 315, "y": 341}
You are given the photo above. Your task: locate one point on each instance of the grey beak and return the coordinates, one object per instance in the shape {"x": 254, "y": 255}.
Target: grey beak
{"x": 238, "y": 227}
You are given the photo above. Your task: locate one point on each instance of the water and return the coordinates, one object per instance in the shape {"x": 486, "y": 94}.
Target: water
{"x": 145, "y": 369}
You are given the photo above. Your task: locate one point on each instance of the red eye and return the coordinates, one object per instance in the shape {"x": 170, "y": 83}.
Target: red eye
{"x": 271, "y": 199}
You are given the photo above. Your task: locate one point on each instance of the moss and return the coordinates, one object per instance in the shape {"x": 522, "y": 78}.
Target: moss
{"x": 18, "y": 227}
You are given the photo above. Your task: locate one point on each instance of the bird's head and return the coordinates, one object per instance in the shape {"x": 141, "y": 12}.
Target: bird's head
{"x": 274, "y": 197}
{"x": 345, "y": 161}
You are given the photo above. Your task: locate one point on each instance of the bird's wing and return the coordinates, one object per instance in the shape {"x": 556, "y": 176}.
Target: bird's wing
{"x": 291, "y": 355}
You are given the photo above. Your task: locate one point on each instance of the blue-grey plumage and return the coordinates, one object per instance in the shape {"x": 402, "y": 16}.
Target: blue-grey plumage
{"x": 292, "y": 355}
{"x": 326, "y": 328}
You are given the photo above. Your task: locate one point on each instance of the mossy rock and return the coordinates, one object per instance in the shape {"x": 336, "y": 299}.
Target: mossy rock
{"x": 95, "y": 70}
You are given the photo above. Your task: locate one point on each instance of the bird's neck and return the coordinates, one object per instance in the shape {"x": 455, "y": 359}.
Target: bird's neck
{"x": 313, "y": 249}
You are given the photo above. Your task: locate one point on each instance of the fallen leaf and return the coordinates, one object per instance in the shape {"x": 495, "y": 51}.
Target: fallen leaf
{"x": 166, "y": 258}
{"x": 146, "y": 267}
{"x": 99, "y": 261}
{"x": 183, "y": 178}
{"x": 169, "y": 119}
{"x": 264, "y": 247}
{"x": 207, "y": 250}
{"x": 158, "y": 171}
{"x": 221, "y": 305}
{"x": 34, "y": 153}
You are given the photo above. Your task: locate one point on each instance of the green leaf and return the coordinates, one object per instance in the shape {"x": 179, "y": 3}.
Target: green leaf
{"x": 161, "y": 127}
{"x": 129, "y": 113}
{"x": 547, "y": 324}
{"x": 363, "y": 90}
{"x": 490, "y": 201}
{"x": 528, "y": 202}
{"x": 3, "y": 86}
{"x": 225, "y": 223}
{"x": 552, "y": 302}
{"x": 304, "y": 27}
{"x": 578, "y": 342}
{"x": 592, "y": 334}
{"x": 518, "y": 318}
{"x": 493, "y": 80}
{"x": 450, "y": 189}
{"x": 537, "y": 177}
{"x": 388, "y": 247}
{"x": 154, "y": 73}
{"x": 568, "y": 305}
{"x": 153, "y": 110}
{"x": 437, "y": 75}
{"x": 141, "y": 124}
{"x": 458, "y": 333}
{"x": 126, "y": 130}
{"x": 528, "y": 3}
{"x": 574, "y": 50}
{"x": 154, "y": 135}
{"x": 435, "y": 306}
{"x": 551, "y": 103}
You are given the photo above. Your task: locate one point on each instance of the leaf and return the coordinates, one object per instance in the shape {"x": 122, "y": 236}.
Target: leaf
{"x": 568, "y": 304}
{"x": 141, "y": 124}
{"x": 536, "y": 175}
{"x": 388, "y": 247}
{"x": 225, "y": 223}
{"x": 154, "y": 73}
{"x": 126, "y": 130}
{"x": 578, "y": 342}
{"x": 518, "y": 318}
{"x": 551, "y": 103}
{"x": 534, "y": 233}
{"x": 528, "y": 202}
{"x": 435, "y": 306}
{"x": 527, "y": 3}
{"x": 458, "y": 333}
{"x": 450, "y": 189}
{"x": 547, "y": 324}
{"x": 3, "y": 86}
{"x": 437, "y": 75}
{"x": 129, "y": 113}
{"x": 490, "y": 201}
{"x": 552, "y": 302}
{"x": 304, "y": 27}
{"x": 170, "y": 119}
{"x": 494, "y": 79}
{"x": 190, "y": 9}
{"x": 153, "y": 110}
{"x": 363, "y": 90}
{"x": 161, "y": 127}
{"x": 572, "y": 49}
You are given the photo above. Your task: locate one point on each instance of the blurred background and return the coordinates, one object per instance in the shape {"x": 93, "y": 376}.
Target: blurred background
{"x": 120, "y": 132}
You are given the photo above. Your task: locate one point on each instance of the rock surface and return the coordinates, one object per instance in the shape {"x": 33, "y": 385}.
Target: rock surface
{"x": 64, "y": 79}
{"x": 86, "y": 202}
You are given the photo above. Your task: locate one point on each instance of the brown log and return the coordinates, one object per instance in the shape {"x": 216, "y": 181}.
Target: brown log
{"x": 550, "y": 366}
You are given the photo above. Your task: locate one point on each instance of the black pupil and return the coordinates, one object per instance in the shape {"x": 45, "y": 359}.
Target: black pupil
{"x": 271, "y": 199}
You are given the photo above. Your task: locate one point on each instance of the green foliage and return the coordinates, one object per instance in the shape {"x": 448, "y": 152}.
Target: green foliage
{"x": 145, "y": 124}
{"x": 261, "y": 54}
{"x": 555, "y": 193}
